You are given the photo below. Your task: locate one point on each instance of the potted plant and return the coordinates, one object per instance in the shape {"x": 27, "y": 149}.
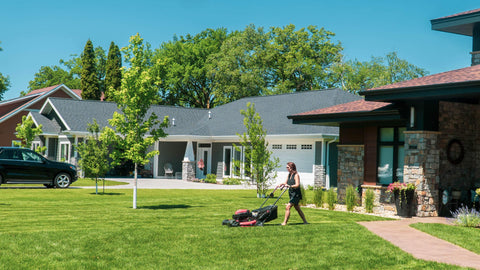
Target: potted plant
{"x": 404, "y": 196}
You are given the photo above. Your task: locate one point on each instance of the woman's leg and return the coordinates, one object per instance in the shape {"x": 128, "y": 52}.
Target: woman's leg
{"x": 300, "y": 212}
{"x": 287, "y": 213}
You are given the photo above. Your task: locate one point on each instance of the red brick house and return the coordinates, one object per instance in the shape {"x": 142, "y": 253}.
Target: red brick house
{"x": 11, "y": 111}
{"x": 423, "y": 131}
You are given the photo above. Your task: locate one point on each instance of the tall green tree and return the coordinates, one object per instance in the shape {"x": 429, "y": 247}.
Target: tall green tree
{"x": 27, "y": 132}
{"x": 89, "y": 77}
{"x": 48, "y": 76}
{"x": 135, "y": 127}
{"x": 300, "y": 60}
{"x": 260, "y": 164}
{"x": 94, "y": 155}
{"x": 182, "y": 65}
{"x": 238, "y": 70}
{"x": 283, "y": 60}
{"x": 355, "y": 76}
{"x": 113, "y": 75}
{"x": 100, "y": 65}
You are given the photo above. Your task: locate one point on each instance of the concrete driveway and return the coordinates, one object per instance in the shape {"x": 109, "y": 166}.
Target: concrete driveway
{"x": 162, "y": 183}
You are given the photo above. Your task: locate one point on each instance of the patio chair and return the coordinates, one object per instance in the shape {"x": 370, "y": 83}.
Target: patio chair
{"x": 168, "y": 169}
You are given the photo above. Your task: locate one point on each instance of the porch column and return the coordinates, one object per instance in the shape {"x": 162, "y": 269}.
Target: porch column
{"x": 188, "y": 163}
{"x": 421, "y": 167}
{"x": 350, "y": 168}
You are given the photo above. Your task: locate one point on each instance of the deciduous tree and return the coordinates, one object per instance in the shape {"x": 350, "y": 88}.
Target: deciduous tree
{"x": 182, "y": 65}
{"x": 260, "y": 165}
{"x": 94, "y": 155}
{"x": 355, "y": 75}
{"x": 135, "y": 127}
{"x": 27, "y": 132}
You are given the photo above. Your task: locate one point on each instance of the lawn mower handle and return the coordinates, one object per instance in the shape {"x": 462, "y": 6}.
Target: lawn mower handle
{"x": 271, "y": 195}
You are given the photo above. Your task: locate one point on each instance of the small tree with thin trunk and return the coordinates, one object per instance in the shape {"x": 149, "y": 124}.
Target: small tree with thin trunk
{"x": 136, "y": 128}
{"x": 94, "y": 155}
{"x": 259, "y": 163}
{"x": 26, "y": 132}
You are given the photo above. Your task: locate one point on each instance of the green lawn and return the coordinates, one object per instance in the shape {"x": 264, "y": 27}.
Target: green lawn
{"x": 467, "y": 238}
{"x": 180, "y": 229}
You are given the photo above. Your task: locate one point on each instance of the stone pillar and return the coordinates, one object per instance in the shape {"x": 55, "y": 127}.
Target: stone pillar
{"x": 422, "y": 164}
{"x": 188, "y": 170}
{"x": 350, "y": 168}
{"x": 319, "y": 176}
{"x": 475, "y": 58}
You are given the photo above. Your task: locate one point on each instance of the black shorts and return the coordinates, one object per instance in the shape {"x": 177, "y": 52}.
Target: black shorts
{"x": 295, "y": 200}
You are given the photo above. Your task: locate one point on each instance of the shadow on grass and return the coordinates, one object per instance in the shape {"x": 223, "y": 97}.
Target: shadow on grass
{"x": 107, "y": 194}
{"x": 165, "y": 206}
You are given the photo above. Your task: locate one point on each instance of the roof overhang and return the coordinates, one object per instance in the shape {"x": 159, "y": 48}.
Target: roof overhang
{"x": 442, "y": 91}
{"x": 462, "y": 23}
{"x": 335, "y": 119}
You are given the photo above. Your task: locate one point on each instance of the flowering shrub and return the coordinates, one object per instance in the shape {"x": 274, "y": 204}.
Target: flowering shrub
{"x": 466, "y": 217}
{"x": 397, "y": 186}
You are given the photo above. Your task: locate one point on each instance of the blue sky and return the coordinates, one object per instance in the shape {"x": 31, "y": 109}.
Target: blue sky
{"x": 40, "y": 33}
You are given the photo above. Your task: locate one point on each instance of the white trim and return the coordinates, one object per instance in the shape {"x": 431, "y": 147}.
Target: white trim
{"x": 35, "y": 100}
{"x": 56, "y": 112}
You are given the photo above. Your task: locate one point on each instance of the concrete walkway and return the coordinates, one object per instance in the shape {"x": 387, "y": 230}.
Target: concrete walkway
{"x": 421, "y": 245}
{"x": 165, "y": 183}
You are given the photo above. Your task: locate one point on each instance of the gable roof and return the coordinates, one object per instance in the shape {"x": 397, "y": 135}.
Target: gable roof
{"x": 225, "y": 120}
{"x": 31, "y": 98}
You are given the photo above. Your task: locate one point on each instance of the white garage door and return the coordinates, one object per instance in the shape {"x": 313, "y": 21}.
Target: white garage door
{"x": 303, "y": 155}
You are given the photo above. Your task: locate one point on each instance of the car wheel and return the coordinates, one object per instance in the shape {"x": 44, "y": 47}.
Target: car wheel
{"x": 62, "y": 180}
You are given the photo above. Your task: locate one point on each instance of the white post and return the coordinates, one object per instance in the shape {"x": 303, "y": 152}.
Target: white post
{"x": 135, "y": 188}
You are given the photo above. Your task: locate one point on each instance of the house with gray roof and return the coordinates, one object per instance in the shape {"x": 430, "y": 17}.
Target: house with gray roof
{"x": 207, "y": 135}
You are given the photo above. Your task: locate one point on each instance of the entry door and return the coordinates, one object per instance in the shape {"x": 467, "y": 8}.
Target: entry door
{"x": 203, "y": 156}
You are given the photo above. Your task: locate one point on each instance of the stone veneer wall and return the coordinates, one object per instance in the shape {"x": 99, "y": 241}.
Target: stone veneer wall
{"x": 319, "y": 176}
{"x": 422, "y": 167}
{"x": 350, "y": 168}
{"x": 188, "y": 170}
{"x": 459, "y": 121}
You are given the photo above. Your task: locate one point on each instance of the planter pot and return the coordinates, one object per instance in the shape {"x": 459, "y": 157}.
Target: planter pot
{"x": 405, "y": 203}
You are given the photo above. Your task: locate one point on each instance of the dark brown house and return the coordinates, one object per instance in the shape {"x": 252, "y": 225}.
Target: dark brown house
{"x": 423, "y": 131}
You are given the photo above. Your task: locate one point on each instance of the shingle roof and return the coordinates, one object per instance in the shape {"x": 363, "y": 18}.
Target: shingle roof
{"x": 460, "y": 14}
{"x": 48, "y": 126}
{"x": 350, "y": 107}
{"x": 468, "y": 74}
{"x": 225, "y": 120}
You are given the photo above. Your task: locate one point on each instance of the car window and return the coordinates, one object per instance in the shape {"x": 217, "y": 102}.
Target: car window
{"x": 30, "y": 156}
{"x": 3, "y": 154}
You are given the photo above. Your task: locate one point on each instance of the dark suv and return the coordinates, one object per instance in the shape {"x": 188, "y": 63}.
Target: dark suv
{"x": 24, "y": 166}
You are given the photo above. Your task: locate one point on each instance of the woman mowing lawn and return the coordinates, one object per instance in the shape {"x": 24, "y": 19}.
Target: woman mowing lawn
{"x": 293, "y": 183}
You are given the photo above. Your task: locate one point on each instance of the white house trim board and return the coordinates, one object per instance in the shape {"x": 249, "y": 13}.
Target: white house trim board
{"x": 36, "y": 99}
{"x": 48, "y": 106}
